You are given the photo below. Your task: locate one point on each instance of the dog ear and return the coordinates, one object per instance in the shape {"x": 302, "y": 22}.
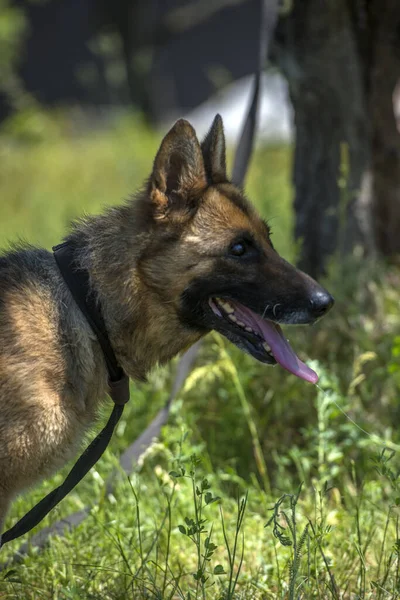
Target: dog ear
{"x": 178, "y": 172}
{"x": 213, "y": 148}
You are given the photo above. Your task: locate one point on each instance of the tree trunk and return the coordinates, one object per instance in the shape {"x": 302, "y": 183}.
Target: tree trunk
{"x": 346, "y": 158}
{"x": 384, "y": 75}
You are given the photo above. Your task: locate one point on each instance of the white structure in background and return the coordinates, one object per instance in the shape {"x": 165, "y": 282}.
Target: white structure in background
{"x": 396, "y": 102}
{"x": 276, "y": 119}
{"x": 232, "y": 102}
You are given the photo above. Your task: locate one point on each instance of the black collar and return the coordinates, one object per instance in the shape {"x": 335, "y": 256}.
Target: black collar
{"x": 77, "y": 280}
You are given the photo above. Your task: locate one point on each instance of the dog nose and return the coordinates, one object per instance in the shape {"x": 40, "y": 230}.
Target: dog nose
{"x": 321, "y": 301}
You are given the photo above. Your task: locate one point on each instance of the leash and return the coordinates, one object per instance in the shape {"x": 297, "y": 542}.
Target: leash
{"x": 268, "y": 19}
{"x": 78, "y": 283}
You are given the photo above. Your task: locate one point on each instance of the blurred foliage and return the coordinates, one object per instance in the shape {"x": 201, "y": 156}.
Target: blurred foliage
{"x": 13, "y": 26}
{"x": 341, "y": 530}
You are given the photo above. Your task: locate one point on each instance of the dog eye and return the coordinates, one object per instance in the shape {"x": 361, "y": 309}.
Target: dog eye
{"x": 238, "y": 248}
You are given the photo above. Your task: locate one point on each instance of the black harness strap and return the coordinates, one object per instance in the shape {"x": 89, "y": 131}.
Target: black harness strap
{"x": 77, "y": 280}
{"x": 78, "y": 284}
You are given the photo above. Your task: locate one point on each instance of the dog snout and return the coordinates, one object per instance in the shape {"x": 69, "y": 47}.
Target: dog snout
{"x": 321, "y": 301}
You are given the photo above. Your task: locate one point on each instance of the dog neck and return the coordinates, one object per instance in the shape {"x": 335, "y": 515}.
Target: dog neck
{"x": 143, "y": 327}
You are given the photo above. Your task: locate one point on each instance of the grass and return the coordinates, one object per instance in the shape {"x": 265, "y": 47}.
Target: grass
{"x": 261, "y": 486}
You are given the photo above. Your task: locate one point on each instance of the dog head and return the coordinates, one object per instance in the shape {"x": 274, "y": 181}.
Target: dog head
{"x": 211, "y": 257}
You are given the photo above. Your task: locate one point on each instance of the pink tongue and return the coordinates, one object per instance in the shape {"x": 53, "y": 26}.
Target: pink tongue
{"x": 280, "y": 347}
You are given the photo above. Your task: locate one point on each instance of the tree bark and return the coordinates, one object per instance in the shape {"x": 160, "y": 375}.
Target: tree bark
{"x": 385, "y": 137}
{"x": 338, "y": 57}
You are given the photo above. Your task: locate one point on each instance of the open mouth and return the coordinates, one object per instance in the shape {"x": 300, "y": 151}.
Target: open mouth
{"x": 261, "y": 338}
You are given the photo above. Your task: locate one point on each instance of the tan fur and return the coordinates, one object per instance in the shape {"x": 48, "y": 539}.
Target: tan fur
{"x": 42, "y": 414}
{"x": 143, "y": 259}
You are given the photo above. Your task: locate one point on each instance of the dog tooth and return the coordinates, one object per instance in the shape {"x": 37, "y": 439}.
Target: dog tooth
{"x": 241, "y": 324}
{"x": 249, "y": 329}
{"x": 227, "y": 307}
{"x": 266, "y": 347}
{"x": 233, "y": 318}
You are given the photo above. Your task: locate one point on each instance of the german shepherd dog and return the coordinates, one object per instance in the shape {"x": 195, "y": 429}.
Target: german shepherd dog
{"x": 187, "y": 255}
